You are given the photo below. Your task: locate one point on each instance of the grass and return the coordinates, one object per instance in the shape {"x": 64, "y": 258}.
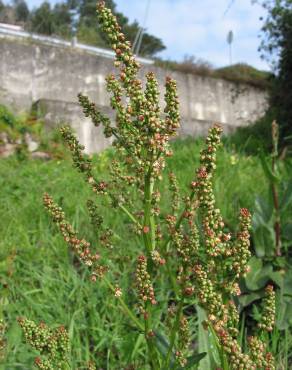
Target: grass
{"x": 39, "y": 277}
{"x": 240, "y": 73}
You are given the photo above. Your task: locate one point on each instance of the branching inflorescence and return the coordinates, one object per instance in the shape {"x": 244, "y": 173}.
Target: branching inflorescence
{"x": 53, "y": 345}
{"x": 189, "y": 246}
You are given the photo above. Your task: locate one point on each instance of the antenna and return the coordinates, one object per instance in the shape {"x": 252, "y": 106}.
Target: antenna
{"x": 139, "y": 36}
{"x": 230, "y": 41}
{"x": 228, "y": 7}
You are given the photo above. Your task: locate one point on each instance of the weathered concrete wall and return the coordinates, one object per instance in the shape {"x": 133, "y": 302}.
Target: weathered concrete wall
{"x": 32, "y": 72}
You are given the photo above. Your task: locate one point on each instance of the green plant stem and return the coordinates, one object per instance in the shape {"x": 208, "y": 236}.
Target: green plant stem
{"x": 275, "y": 192}
{"x": 277, "y": 225}
{"x": 149, "y": 223}
{"x": 164, "y": 246}
{"x": 167, "y": 243}
{"x": 223, "y": 358}
{"x": 126, "y": 309}
{"x": 129, "y": 214}
{"x": 149, "y": 244}
{"x": 173, "y": 333}
{"x": 149, "y": 338}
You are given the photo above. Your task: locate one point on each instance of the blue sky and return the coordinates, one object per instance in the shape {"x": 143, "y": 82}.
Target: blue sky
{"x": 199, "y": 28}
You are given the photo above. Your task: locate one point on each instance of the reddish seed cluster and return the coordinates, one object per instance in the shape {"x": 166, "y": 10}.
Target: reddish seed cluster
{"x": 157, "y": 259}
{"x": 80, "y": 246}
{"x": 144, "y": 285}
{"x": 237, "y": 359}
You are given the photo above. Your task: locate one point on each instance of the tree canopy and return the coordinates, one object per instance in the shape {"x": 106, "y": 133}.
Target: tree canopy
{"x": 68, "y": 17}
{"x": 276, "y": 47}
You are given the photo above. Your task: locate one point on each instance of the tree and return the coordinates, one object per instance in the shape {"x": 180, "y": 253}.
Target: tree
{"x": 276, "y": 47}
{"x": 21, "y": 10}
{"x": 42, "y": 19}
{"x": 52, "y": 21}
{"x": 87, "y": 12}
{"x": 62, "y": 20}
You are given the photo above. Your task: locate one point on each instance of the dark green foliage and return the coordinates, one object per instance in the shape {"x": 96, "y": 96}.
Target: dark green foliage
{"x": 68, "y": 17}
{"x": 244, "y": 73}
{"x": 51, "y": 21}
{"x": 87, "y": 24}
{"x": 254, "y": 138}
{"x": 276, "y": 47}
{"x": 21, "y": 10}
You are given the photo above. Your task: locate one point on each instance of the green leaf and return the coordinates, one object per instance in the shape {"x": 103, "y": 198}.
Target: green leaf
{"x": 263, "y": 228}
{"x": 162, "y": 345}
{"x": 259, "y": 275}
{"x": 206, "y": 345}
{"x": 246, "y": 299}
{"x": 277, "y": 278}
{"x": 268, "y": 170}
{"x": 287, "y": 232}
{"x": 287, "y": 283}
{"x": 264, "y": 240}
{"x": 283, "y": 311}
{"x": 263, "y": 211}
{"x": 286, "y": 200}
{"x": 193, "y": 360}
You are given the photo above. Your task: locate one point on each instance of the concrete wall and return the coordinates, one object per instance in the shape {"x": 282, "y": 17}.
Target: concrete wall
{"x": 32, "y": 72}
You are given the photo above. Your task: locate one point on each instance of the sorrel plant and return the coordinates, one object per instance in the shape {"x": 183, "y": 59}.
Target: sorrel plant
{"x": 186, "y": 251}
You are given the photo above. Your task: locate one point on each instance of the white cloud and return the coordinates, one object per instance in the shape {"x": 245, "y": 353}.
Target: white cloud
{"x": 199, "y": 27}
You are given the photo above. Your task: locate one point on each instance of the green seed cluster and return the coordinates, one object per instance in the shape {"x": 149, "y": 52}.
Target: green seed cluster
{"x": 241, "y": 247}
{"x": 157, "y": 259}
{"x": 90, "y": 110}
{"x": 81, "y": 161}
{"x": 140, "y": 129}
{"x": 267, "y": 322}
{"x": 53, "y": 344}
{"x": 262, "y": 359}
{"x": 80, "y": 246}
{"x": 2, "y": 339}
{"x": 122, "y": 48}
{"x": 91, "y": 366}
{"x": 221, "y": 262}
{"x": 183, "y": 341}
{"x": 144, "y": 284}
{"x": 174, "y": 190}
{"x": 105, "y": 234}
{"x": 209, "y": 298}
{"x": 96, "y": 218}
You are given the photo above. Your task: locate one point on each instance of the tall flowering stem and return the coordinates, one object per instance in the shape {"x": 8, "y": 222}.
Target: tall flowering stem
{"x": 187, "y": 252}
